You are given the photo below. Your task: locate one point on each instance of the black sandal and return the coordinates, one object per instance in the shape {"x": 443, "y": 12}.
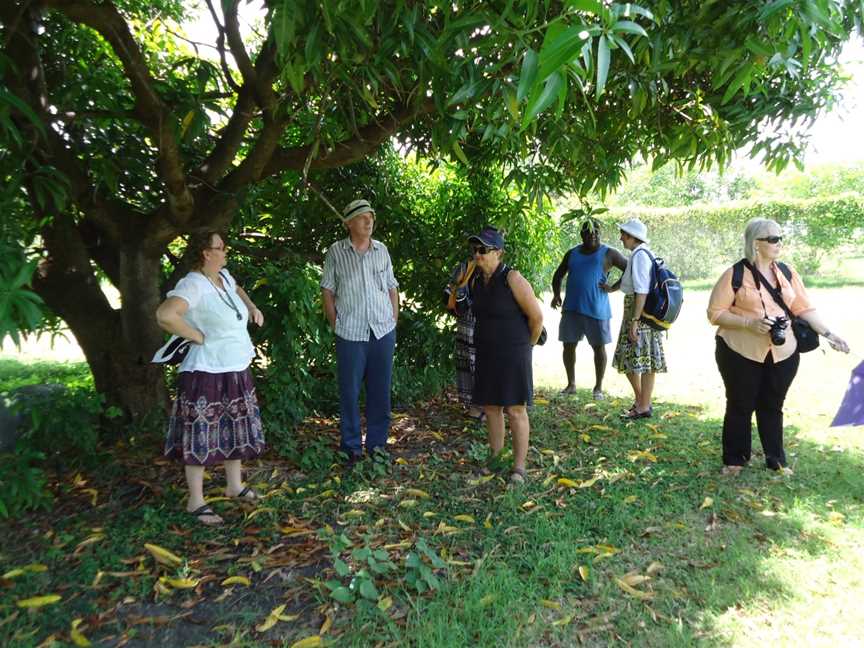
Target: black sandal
{"x": 244, "y": 495}
{"x": 201, "y": 511}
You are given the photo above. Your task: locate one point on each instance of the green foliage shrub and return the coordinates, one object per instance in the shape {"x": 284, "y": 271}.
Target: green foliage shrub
{"x": 423, "y": 216}
{"x": 696, "y": 241}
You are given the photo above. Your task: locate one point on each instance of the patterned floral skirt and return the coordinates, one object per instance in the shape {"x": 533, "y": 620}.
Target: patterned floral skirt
{"x": 465, "y": 357}
{"x": 215, "y": 418}
{"x": 646, "y": 355}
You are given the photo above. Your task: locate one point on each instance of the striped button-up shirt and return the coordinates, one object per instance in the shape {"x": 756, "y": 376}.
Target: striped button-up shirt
{"x": 361, "y": 283}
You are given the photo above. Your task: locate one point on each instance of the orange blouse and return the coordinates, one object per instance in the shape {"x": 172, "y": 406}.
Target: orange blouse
{"x": 747, "y": 305}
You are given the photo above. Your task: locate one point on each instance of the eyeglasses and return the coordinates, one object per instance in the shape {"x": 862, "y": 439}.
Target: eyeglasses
{"x": 481, "y": 249}
{"x": 771, "y": 239}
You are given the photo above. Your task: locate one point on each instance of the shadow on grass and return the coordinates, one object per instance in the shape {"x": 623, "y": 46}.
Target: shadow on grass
{"x": 538, "y": 565}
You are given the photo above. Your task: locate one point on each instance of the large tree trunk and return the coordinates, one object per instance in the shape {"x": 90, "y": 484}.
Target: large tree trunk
{"x": 118, "y": 343}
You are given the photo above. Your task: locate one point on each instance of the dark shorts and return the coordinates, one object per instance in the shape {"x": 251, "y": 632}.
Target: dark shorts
{"x": 575, "y": 325}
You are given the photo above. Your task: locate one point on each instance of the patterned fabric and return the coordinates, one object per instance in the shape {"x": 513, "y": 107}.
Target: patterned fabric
{"x": 215, "y": 418}
{"x": 361, "y": 284}
{"x": 465, "y": 355}
{"x": 646, "y": 355}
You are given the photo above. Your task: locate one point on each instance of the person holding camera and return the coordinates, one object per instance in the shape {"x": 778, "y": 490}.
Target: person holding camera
{"x": 757, "y": 351}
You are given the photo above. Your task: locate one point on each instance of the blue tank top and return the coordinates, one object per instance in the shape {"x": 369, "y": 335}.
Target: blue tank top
{"x": 585, "y": 273}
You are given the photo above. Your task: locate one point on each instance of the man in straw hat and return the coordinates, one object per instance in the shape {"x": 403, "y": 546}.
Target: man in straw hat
{"x": 361, "y": 302}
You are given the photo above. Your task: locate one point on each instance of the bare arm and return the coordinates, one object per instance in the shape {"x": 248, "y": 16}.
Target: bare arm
{"x": 614, "y": 259}
{"x": 560, "y": 272}
{"x": 329, "y": 301}
{"x": 523, "y": 293}
{"x": 254, "y": 313}
{"x": 170, "y": 317}
{"x": 394, "y": 301}
{"x": 812, "y": 318}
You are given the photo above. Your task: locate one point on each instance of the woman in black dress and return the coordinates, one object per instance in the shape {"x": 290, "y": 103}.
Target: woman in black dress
{"x": 509, "y": 322}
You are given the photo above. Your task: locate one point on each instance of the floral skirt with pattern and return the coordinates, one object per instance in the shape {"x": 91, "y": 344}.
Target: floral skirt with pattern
{"x": 215, "y": 418}
{"x": 646, "y": 354}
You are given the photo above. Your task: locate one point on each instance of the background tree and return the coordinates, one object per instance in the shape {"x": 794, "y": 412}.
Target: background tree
{"x": 118, "y": 135}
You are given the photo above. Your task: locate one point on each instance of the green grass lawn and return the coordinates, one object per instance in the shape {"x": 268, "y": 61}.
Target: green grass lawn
{"x": 642, "y": 543}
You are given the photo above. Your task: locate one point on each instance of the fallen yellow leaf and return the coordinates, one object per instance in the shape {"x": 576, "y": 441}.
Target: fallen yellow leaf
{"x": 385, "y": 603}
{"x": 408, "y": 503}
{"x": 589, "y": 482}
{"x": 528, "y": 505}
{"x": 708, "y": 501}
{"x": 353, "y": 513}
{"x": 836, "y": 518}
{"x": 635, "y": 579}
{"x": 653, "y": 568}
{"x": 163, "y": 555}
{"x": 287, "y": 617}
{"x": 569, "y": 483}
{"x": 429, "y": 514}
{"x": 552, "y": 605}
{"x": 236, "y": 580}
{"x": 487, "y": 523}
{"x": 271, "y": 620}
{"x": 563, "y": 621}
{"x": 632, "y": 591}
{"x": 77, "y": 636}
{"x": 33, "y": 568}
{"x": 464, "y": 518}
{"x": 38, "y": 601}
{"x": 583, "y": 573}
{"x": 416, "y": 492}
{"x": 309, "y": 642}
{"x": 401, "y": 461}
{"x": 328, "y": 622}
{"x": 180, "y": 583}
{"x": 541, "y": 401}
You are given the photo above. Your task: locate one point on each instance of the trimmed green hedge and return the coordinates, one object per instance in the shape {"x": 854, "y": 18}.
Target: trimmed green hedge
{"x": 695, "y": 241}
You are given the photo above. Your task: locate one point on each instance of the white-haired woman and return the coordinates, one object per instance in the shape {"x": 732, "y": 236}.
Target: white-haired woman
{"x": 756, "y": 369}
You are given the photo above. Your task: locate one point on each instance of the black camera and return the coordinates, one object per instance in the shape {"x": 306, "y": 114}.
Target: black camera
{"x": 778, "y": 330}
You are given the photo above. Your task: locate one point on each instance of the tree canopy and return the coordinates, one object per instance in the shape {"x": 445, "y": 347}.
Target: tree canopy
{"x": 119, "y": 134}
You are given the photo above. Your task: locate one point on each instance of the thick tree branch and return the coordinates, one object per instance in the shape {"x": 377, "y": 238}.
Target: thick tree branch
{"x": 149, "y": 107}
{"x": 367, "y": 139}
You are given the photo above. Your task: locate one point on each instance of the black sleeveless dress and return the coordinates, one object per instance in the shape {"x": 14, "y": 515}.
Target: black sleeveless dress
{"x": 502, "y": 373}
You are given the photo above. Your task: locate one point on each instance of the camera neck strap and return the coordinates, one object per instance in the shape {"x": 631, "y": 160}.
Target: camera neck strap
{"x": 776, "y": 293}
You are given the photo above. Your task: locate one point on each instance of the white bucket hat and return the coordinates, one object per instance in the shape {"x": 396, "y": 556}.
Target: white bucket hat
{"x": 635, "y": 228}
{"x": 356, "y": 207}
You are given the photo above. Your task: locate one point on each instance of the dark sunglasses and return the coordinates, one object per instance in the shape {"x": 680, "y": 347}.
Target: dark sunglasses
{"x": 481, "y": 249}
{"x": 771, "y": 239}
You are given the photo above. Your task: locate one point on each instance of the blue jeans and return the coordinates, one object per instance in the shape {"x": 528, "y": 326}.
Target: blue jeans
{"x": 371, "y": 363}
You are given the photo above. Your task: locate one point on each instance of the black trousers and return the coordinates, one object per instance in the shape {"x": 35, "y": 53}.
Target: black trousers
{"x": 754, "y": 387}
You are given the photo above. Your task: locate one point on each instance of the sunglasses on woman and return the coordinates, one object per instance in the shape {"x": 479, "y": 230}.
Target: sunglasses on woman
{"x": 481, "y": 249}
{"x": 771, "y": 239}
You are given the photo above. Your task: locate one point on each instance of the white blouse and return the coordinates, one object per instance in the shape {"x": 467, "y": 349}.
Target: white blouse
{"x": 227, "y": 346}
{"x": 637, "y": 275}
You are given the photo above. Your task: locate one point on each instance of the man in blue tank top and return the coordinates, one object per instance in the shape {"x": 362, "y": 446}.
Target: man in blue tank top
{"x": 586, "y": 309}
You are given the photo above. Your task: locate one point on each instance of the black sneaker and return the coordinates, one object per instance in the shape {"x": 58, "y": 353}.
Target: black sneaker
{"x": 351, "y": 459}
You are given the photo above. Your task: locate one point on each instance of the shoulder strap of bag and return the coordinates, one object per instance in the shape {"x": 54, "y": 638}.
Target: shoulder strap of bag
{"x": 737, "y": 278}
{"x": 466, "y": 277}
{"x": 786, "y": 270}
{"x": 776, "y": 294}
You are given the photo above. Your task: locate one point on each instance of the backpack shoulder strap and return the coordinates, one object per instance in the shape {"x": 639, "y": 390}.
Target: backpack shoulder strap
{"x": 737, "y": 275}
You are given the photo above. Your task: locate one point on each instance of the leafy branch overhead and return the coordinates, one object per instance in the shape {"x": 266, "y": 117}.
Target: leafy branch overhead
{"x": 119, "y": 132}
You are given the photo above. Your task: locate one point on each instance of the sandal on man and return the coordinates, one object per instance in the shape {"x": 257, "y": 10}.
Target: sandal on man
{"x": 732, "y": 470}
{"x": 247, "y": 494}
{"x": 205, "y": 511}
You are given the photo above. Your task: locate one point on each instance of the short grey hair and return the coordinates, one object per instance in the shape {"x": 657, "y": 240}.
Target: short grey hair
{"x": 756, "y": 228}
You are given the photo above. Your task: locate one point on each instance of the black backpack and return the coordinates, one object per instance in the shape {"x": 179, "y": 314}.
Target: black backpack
{"x": 665, "y": 296}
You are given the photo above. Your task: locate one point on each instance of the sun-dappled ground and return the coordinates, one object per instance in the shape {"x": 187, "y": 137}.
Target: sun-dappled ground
{"x": 623, "y": 534}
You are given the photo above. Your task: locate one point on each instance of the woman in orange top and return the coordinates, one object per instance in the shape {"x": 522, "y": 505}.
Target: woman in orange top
{"x": 756, "y": 372}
